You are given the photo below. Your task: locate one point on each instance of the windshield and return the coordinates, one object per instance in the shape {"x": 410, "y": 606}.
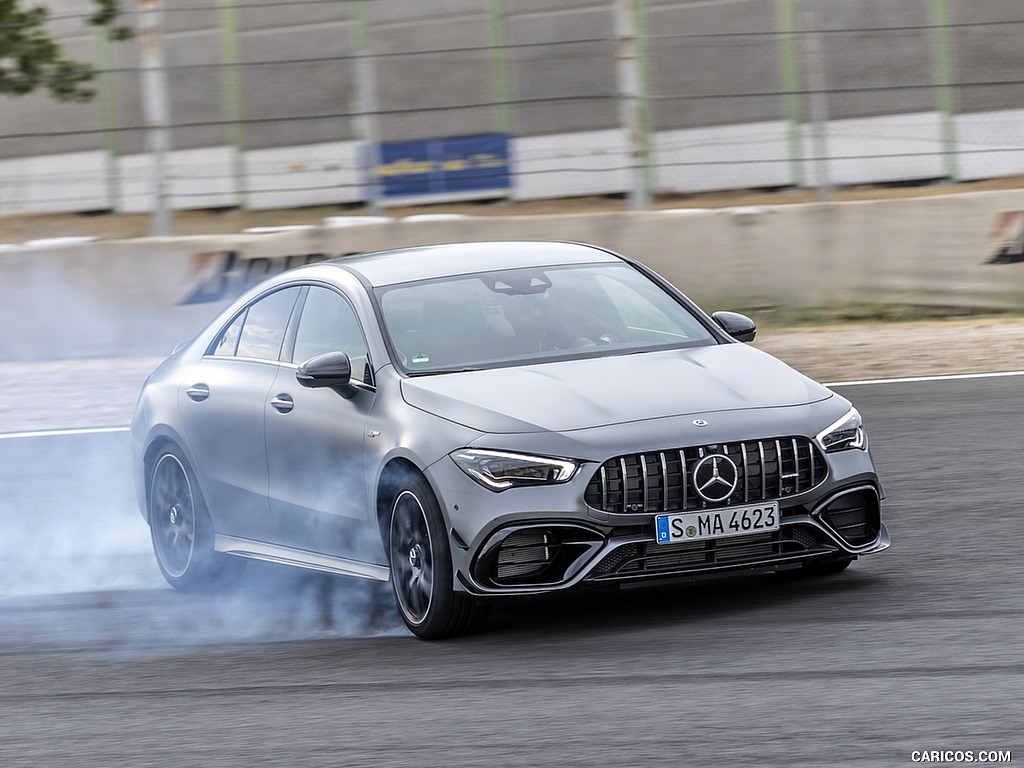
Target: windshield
{"x": 493, "y": 319}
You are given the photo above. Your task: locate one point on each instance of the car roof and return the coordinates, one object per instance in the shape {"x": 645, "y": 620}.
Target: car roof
{"x": 431, "y": 261}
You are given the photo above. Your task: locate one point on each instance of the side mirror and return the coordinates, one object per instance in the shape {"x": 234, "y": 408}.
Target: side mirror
{"x": 331, "y": 369}
{"x": 740, "y": 327}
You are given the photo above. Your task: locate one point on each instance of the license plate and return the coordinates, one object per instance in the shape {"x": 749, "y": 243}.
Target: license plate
{"x": 717, "y": 523}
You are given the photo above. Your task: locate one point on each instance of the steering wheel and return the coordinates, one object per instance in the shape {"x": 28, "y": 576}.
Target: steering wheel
{"x": 593, "y": 334}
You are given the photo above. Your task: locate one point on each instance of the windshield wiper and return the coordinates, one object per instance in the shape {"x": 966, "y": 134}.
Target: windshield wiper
{"x": 445, "y": 370}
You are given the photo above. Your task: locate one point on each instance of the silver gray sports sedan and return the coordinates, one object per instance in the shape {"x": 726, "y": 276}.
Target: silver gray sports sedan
{"x": 481, "y": 420}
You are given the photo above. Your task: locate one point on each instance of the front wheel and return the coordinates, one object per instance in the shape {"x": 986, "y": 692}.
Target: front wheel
{"x": 181, "y": 529}
{"x": 421, "y": 566}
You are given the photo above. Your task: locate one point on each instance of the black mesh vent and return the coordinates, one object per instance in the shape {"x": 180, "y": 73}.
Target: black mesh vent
{"x": 663, "y": 481}
{"x": 525, "y": 553}
{"x": 650, "y": 559}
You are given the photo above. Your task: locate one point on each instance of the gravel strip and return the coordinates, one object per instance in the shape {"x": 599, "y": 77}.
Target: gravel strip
{"x": 882, "y": 351}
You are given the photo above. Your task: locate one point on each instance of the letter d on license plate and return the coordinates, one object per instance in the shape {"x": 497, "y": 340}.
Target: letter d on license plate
{"x": 717, "y": 523}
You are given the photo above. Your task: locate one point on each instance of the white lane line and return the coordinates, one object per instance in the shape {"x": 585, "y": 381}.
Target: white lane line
{"x": 937, "y": 377}
{"x": 61, "y": 432}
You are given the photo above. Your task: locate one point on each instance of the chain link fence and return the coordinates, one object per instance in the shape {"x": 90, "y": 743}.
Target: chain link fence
{"x": 274, "y": 103}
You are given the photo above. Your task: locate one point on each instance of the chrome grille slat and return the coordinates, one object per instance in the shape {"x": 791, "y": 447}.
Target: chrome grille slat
{"x": 746, "y": 473}
{"x": 644, "y": 484}
{"x": 686, "y": 482}
{"x": 664, "y": 481}
{"x": 625, "y": 484}
{"x": 768, "y": 469}
{"x": 764, "y": 473}
{"x": 778, "y": 464}
{"x": 811, "y": 456}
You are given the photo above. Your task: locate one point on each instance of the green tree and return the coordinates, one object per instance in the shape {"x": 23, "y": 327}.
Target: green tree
{"x": 30, "y": 59}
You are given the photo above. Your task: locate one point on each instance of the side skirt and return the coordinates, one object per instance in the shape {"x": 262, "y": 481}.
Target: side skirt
{"x": 273, "y": 553}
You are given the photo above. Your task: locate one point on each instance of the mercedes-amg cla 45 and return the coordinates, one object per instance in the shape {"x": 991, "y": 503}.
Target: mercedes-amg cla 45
{"x": 480, "y": 420}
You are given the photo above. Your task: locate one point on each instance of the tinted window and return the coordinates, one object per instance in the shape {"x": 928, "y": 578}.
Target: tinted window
{"x": 265, "y": 325}
{"x": 642, "y": 307}
{"x": 228, "y": 341}
{"x": 506, "y": 318}
{"x": 328, "y": 324}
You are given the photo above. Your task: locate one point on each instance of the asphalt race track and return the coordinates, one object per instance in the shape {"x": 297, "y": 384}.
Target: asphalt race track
{"x": 918, "y": 648}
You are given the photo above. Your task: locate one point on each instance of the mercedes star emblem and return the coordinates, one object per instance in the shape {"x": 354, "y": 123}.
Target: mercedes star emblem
{"x": 715, "y": 477}
{"x": 699, "y": 423}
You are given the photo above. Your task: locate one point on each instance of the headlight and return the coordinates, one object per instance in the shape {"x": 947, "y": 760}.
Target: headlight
{"x": 498, "y": 470}
{"x": 846, "y": 433}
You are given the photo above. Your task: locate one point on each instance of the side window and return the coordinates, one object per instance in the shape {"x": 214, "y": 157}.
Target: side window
{"x": 227, "y": 343}
{"x": 265, "y": 324}
{"x": 328, "y": 324}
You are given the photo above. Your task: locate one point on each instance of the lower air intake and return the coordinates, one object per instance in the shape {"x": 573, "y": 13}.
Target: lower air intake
{"x": 524, "y": 554}
{"x": 854, "y": 516}
{"x": 646, "y": 558}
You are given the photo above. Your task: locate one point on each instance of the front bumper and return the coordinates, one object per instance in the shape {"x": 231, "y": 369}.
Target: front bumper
{"x": 593, "y": 559}
{"x": 560, "y": 536}
{"x": 526, "y": 558}
{"x": 796, "y": 542}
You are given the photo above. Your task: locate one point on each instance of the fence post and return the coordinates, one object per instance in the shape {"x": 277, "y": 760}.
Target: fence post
{"x": 814, "y": 66}
{"x": 154, "y": 104}
{"x": 646, "y": 115}
{"x": 366, "y": 125}
{"x": 789, "y": 56}
{"x": 499, "y": 78}
{"x": 631, "y": 102}
{"x": 942, "y": 61}
{"x": 499, "y": 67}
{"x": 233, "y": 100}
{"x": 106, "y": 93}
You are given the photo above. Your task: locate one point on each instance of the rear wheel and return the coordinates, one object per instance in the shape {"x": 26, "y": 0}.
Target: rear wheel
{"x": 421, "y": 566}
{"x": 181, "y": 529}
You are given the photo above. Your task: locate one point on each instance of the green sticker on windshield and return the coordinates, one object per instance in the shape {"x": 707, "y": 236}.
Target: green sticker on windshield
{"x": 420, "y": 357}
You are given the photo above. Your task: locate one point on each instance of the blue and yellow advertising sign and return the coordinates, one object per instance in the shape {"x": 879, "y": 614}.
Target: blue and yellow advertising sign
{"x": 440, "y": 166}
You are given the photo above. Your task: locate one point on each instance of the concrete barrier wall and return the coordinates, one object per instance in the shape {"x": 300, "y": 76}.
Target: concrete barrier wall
{"x": 872, "y": 150}
{"x": 141, "y": 297}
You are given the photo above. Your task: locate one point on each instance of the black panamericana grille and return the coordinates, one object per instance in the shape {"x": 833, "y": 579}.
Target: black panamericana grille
{"x": 662, "y": 481}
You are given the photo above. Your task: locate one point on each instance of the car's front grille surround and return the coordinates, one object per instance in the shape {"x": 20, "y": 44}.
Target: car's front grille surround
{"x": 662, "y": 481}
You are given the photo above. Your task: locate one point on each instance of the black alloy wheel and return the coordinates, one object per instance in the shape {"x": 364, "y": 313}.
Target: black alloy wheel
{"x": 181, "y": 530}
{"x": 421, "y": 566}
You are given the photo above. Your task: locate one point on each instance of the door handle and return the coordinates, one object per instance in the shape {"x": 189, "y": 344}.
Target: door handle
{"x": 198, "y": 392}
{"x": 283, "y": 402}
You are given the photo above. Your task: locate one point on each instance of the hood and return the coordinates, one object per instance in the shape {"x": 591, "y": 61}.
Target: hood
{"x": 595, "y": 392}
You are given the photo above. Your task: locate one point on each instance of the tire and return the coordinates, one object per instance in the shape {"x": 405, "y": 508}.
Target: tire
{"x": 181, "y": 530}
{"x": 421, "y": 566}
